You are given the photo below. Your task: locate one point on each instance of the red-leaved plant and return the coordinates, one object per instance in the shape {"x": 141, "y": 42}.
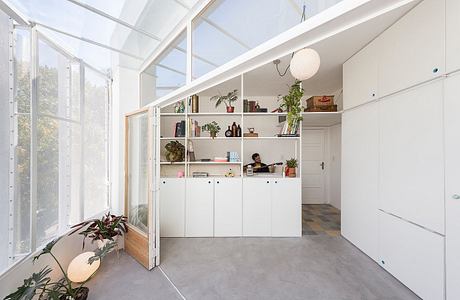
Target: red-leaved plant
{"x": 108, "y": 227}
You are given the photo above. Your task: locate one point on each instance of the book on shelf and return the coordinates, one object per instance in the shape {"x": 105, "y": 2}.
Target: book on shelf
{"x": 288, "y": 131}
{"x": 179, "y": 131}
{"x": 194, "y": 128}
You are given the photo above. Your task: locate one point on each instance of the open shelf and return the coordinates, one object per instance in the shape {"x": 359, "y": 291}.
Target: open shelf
{"x": 172, "y": 138}
{"x": 272, "y": 138}
{"x": 216, "y": 138}
{"x": 265, "y": 114}
{"x": 212, "y": 163}
{"x": 172, "y": 114}
{"x": 214, "y": 114}
{"x": 172, "y": 163}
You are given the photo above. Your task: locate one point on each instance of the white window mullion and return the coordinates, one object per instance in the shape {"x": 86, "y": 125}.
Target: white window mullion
{"x": 13, "y": 142}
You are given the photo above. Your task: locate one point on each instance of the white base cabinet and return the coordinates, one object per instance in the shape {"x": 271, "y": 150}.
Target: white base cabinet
{"x": 228, "y": 207}
{"x": 172, "y": 207}
{"x": 272, "y": 207}
{"x": 199, "y": 207}
{"x": 286, "y": 198}
{"x": 413, "y": 255}
{"x": 256, "y": 207}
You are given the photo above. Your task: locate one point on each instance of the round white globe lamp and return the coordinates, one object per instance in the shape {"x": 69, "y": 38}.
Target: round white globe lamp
{"x": 305, "y": 64}
{"x": 80, "y": 270}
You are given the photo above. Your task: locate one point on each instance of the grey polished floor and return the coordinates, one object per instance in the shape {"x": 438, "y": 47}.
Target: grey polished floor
{"x": 313, "y": 267}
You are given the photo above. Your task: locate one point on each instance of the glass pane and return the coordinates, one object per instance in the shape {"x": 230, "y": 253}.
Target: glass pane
{"x": 218, "y": 36}
{"x": 22, "y": 186}
{"x": 138, "y": 171}
{"x": 95, "y": 144}
{"x": 48, "y": 181}
{"x": 22, "y": 70}
{"x": 53, "y": 82}
{"x": 167, "y": 73}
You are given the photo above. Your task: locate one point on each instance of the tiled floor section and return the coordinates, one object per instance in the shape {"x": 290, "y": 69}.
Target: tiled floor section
{"x": 320, "y": 219}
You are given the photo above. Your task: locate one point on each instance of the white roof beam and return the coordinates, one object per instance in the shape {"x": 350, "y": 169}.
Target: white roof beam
{"x": 15, "y": 14}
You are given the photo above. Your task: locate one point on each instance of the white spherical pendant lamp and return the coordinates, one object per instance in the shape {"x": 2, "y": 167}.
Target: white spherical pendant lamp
{"x": 80, "y": 270}
{"x": 305, "y": 64}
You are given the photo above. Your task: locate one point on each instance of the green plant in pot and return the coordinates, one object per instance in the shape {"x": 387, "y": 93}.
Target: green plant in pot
{"x": 291, "y": 166}
{"x": 212, "y": 127}
{"x": 175, "y": 151}
{"x": 227, "y": 99}
{"x": 292, "y": 103}
{"x": 103, "y": 230}
{"x": 40, "y": 285}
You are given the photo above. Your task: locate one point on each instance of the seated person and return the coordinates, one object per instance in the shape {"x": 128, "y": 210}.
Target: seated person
{"x": 258, "y": 166}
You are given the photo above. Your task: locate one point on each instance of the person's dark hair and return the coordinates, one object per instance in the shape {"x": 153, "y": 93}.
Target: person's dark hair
{"x": 255, "y": 155}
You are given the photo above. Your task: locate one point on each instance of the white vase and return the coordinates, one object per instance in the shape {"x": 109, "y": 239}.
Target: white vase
{"x": 101, "y": 244}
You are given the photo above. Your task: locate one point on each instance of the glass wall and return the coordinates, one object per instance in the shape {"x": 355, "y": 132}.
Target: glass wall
{"x": 56, "y": 140}
{"x": 229, "y": 28}
{"x": 168, "y": 71}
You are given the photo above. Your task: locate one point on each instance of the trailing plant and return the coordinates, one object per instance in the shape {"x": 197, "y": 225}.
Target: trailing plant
{"x": 175, "y": 151}
{"x": 40, "y": 284}
{"x": 106, "y": 228}
{"x": 292, "y": 103}
{"x": 227, "y": 99}
{"x": 212, "y": 127}
{"x": 291, "y": 163}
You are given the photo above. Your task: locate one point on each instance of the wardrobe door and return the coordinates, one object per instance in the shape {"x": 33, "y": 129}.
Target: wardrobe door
{"x": 172, "y": 207}
{"x": 412, "y": 50}
{"x": 360, "y": 178}
{"x": 412, "y": 155}
{"x": 228, "y": 207}
{"x": 452, "y": 150}
{"x": 199, "y": 207}
{"x": 256, "y": 207}
{"x": 286, "y": 207}
{"x": 452, "y": 35}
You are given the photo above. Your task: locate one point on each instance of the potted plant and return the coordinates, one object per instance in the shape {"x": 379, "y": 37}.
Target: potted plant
{"x": 103, "y": 230}
{"x": 227, "y": 99}
{"x": 292, "y": 103}
{"x": 291, "y": 165}
{"x": 40, "y": 284}
{"x": 212, "y": 127}
{"x": 175, "y": 151}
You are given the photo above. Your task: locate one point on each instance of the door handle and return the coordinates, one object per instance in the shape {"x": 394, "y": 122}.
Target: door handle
{"x": 456, "y": 197}
{"x": 322, "y": 165}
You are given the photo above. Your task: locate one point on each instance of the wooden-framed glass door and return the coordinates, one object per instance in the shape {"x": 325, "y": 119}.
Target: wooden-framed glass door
{"x": 141, "y": 205}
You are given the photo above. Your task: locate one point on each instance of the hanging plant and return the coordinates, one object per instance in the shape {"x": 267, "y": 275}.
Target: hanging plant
{"x": 292, "y": 103}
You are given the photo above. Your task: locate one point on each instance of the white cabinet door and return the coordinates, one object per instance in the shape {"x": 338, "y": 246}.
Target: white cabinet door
{"x": 360, "y": 177}
{"x": 228, "y": 207}
{"x": 453, "y": 35}
{"x": 256, "y": 207}
{"x": 413, "y": 255}
{"x": 286, "y": 207}
{"x": 412, "y": 156}
{"x": 360, "y": 76}
{"x": 172, "y": 207}
{"x": 199, "y": 207}
{"x": 412, "y": 50}
{"x": 452, "y": 152}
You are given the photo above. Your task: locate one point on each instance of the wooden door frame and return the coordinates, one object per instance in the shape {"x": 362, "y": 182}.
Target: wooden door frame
{"x": 150, "y": 259}
{"x": 325, "y": 159}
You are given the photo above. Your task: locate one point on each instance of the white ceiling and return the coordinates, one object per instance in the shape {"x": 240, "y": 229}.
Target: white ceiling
{"x": 334, "y": 51}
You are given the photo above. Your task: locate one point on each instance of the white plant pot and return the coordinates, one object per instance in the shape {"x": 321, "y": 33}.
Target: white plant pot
{"x": 101, "y": 244}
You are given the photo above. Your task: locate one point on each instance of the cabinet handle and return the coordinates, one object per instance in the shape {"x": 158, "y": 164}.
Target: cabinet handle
{"x": 435, "y": 70}
{"x": 218, "y": 182}
{"x": 164, "y": 182}
{"x": 209, "y": 181}
{"x": 276, "y": 181}
{"x": 455, "y": 196}
{"x": 373, "y": 94}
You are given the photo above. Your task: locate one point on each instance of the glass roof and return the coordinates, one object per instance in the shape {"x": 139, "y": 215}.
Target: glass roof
{"x": 149, "y": 22}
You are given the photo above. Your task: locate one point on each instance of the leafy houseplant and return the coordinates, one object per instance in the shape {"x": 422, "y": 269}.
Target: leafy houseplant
{"x": 40, "y": 284}
{"x": 227, "y": 99}
{"x": 108, "y": 228}
{"x": 175, "y": 151}
{"x": 212, "y": 127}
{"x": 291, "y": 165}
{"x": 292, "y": 103}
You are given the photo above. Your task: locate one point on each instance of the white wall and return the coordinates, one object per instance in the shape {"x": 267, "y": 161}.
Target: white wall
{"x": 125, "y": 99}
{"x": 335, "y": 160}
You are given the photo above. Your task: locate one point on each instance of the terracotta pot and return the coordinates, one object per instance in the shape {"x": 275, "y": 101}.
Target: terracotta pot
{"x": 291, "y": 172}
{"x": 230, "y": 109}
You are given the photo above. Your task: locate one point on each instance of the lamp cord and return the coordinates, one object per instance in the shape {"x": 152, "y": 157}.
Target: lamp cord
{"x": 302, "y": 19}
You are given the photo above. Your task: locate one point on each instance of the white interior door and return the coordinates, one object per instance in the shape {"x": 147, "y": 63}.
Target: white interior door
{"x": 313, "y": 166}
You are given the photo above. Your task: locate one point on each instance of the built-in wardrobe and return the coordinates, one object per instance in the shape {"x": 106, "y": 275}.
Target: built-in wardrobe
{"x": 401, "y": 148}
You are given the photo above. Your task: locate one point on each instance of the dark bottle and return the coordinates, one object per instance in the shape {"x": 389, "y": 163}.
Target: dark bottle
{"x": 234, "y": 129}
{"x": 238, "y": 131}
{"x": 228, "y": 133}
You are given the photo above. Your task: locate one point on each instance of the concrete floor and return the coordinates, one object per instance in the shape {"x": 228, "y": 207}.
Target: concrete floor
{"x": 312, "y": 267}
